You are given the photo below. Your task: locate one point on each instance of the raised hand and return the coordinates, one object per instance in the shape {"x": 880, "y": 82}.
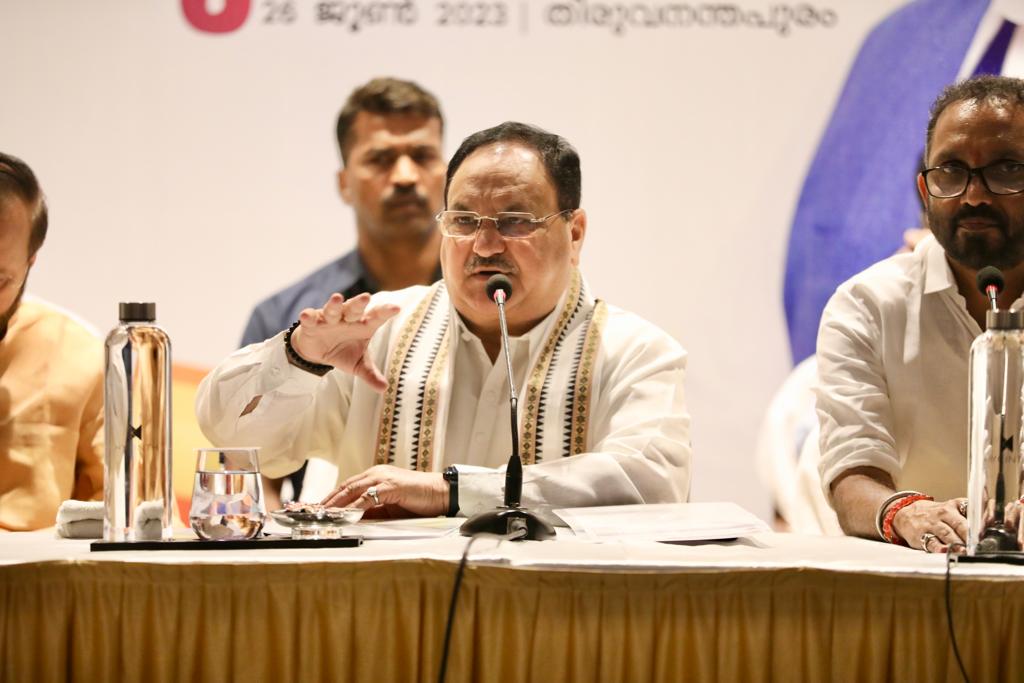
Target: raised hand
{"x": 339, "y": 333}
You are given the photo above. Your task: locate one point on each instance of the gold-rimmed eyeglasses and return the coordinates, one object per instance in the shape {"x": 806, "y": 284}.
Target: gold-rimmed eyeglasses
{"x": 510, "y": 224}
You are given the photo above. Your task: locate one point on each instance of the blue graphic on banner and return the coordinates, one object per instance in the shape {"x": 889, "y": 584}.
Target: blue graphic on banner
{"x": 860, "y": 193}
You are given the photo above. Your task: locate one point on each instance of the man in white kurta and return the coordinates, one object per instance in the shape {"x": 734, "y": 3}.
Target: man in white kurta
{"x": 413, "y": 382}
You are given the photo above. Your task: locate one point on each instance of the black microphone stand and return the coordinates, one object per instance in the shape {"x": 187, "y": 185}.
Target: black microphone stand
{"x": 510, "y": 518}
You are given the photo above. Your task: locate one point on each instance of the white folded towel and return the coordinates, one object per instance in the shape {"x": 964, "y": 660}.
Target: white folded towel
{"x": 84, "y": 519}
{"x": 149, "y": 516}
{"x": 80, "y": 519}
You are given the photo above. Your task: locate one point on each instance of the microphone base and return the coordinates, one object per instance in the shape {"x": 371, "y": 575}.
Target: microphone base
{"x": 501, "y": 521}
{"x": 998, "y": 539}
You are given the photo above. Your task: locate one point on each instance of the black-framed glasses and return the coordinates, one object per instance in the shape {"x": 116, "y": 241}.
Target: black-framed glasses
{"x": 510, "y": 224}
{"x": 1005, "y": 176}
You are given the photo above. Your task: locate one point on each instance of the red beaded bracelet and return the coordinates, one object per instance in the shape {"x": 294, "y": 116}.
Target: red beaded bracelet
{"x": 888, "y": 533}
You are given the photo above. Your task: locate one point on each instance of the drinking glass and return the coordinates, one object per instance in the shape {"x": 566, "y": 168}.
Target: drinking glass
{"x": 227, "y": 498}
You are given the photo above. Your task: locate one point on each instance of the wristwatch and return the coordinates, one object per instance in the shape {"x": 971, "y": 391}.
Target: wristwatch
{"x": 451, "y": 475}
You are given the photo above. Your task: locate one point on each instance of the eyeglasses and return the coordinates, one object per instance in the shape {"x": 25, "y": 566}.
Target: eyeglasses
{"x": 1000, "y": 177}
{"x": 510, "y": 224}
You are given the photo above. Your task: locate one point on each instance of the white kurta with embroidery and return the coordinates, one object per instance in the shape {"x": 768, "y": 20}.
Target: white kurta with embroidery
{"x": 636, "y": 447}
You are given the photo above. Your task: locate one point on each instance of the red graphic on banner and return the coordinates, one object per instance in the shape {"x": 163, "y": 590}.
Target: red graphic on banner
{"x": 230, "y": 18}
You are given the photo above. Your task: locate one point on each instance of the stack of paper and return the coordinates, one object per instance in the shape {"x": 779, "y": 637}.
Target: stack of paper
{"x": 662, "y": 522}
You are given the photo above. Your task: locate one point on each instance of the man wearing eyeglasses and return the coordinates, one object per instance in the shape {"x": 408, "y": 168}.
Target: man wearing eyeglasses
{"x": 407, "y": 391}
{"x": 894, "y": 340}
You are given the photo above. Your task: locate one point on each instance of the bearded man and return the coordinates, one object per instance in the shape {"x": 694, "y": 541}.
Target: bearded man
{"x": 893, "y": 347}
{"x": 51, "y": 375}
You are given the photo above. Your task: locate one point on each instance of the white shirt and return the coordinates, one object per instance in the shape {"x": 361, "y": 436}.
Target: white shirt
{"x": 639, "y": 444}
{"x": 893, "y": 354}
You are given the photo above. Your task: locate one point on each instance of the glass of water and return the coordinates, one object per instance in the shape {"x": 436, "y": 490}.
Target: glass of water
{"x": 227, "y": 498}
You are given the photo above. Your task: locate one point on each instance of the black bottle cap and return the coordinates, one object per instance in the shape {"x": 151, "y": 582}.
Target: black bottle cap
{"x": 132, "y": 312}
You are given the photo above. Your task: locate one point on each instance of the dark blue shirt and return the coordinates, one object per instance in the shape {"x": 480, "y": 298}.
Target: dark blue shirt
{"x": 347, "y": 275}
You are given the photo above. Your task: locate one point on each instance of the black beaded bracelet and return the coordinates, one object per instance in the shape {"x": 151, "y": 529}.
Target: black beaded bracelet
{"x": 295, "y": 359}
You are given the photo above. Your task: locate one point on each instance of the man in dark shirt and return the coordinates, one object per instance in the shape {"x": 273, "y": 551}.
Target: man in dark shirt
{"x": 389, "y": 134}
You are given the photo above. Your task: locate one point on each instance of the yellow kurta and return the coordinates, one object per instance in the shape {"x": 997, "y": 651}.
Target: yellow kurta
{"x": 51, "y": 416}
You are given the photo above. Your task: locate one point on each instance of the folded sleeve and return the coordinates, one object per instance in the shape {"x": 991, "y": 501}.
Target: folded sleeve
{"x": 852, "y": 398}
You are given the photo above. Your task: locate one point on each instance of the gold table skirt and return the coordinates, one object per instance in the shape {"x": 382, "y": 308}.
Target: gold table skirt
{"x": 384, "y": 621}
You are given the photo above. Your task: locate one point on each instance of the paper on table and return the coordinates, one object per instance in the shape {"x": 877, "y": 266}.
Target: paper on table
{"x": 397, "y": 529}
{"x": 662, "y": 522}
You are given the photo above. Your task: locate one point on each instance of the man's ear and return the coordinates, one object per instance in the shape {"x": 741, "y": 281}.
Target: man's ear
{"x": 32, "y": 258}
{"x": 344, "y": 189}
{"x": 577, "y": 233}
{"x": 923, "y": 191}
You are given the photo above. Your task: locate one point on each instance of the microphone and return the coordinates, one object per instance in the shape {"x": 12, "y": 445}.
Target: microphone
{"x": 991, "y": 283}
{"x": 996, "y": 537}
{"x": 510, "y": 518}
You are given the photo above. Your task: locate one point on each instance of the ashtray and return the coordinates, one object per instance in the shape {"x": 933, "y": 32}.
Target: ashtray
{"x": 316, "y": 521}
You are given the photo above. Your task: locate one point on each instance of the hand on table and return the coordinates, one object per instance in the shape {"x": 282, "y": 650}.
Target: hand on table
{"x": 932, "y": 525}
{"x": 399, "y": 493}
{"x": 339, "y": 333}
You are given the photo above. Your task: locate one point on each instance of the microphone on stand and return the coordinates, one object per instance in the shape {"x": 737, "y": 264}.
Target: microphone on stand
{"x": 996, "y": 537}
{"x": 510, "y": 518}
{"x": 991, "y": 283}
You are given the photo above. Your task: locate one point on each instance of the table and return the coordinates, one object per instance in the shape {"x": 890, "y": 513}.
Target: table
{"x": 770, "y": 607}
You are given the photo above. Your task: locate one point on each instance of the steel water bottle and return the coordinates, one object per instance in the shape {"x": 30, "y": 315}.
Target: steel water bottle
{"x": 994, "y": 477}
{"x": 138, "y": 496}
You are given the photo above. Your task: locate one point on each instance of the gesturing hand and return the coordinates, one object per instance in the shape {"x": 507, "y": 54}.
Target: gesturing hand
{"x": 339, "y": 333}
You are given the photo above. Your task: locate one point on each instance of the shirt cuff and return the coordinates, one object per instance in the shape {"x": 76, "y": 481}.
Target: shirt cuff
{"x": 480, "y": 489}
{"x": 288, "y": 378}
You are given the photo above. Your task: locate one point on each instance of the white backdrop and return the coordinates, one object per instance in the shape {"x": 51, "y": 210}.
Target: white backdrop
{"x": 197, "y": 169}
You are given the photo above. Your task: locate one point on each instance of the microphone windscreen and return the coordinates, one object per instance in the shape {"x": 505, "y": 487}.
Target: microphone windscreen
{"x": 990, "y": 276}
{"x": 499, "y": 281}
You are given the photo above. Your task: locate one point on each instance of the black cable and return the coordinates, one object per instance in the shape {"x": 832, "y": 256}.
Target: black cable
{"x": 519, "y": 533}
{"x": 949, "y": 610}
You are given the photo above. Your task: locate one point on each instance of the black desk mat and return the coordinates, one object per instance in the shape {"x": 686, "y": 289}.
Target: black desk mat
{"x": 262, "y": 543}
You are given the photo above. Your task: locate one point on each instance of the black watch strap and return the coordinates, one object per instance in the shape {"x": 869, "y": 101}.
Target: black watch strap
{"x": 451, "y": 475}
{"x": 298, "y": 361}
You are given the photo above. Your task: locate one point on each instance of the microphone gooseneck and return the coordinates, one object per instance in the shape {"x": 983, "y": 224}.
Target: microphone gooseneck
{"x": 499, "y": 289}
{"x": 510, "y": 518}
